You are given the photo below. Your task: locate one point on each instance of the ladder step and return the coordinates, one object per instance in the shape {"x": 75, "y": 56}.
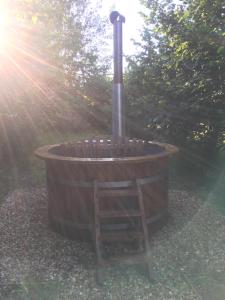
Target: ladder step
{"x": 123, "y": 236}
{"x": 117, "y": 193}
{"x": 139, "y": 258}
{"x": 119, "y": 214}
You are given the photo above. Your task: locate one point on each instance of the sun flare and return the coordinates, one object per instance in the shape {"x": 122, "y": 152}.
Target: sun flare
{"x": 4, "y": 31}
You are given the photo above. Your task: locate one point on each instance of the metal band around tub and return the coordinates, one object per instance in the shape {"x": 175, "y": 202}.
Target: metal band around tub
{"x": 108, "y": 184}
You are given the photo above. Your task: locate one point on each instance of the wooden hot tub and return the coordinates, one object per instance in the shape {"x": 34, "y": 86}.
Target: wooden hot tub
{"x": 70, "y": 182}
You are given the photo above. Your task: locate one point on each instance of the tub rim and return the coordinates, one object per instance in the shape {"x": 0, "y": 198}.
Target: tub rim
{"x": 43, "y": 152}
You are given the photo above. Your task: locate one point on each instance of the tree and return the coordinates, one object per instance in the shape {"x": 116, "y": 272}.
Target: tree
{"x": 51, "y": 56}
{"x": 178, "y": 78}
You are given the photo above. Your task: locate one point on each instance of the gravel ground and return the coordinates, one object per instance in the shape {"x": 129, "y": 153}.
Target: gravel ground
{"x": 188, "y": 256}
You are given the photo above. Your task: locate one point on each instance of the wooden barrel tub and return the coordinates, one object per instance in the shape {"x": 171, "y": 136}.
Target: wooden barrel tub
{"x": 70, "y": 182}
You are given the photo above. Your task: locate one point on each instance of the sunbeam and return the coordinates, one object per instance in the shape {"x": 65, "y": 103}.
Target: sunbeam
{"x": 4, "y": 34}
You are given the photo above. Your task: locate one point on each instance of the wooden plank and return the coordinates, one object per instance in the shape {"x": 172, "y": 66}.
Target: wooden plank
{"x": 97, "y": 234}
{"x": 122, "y": 236}
{"x": 120, "y": 214}
{"x": 144, "y": 225}
{"x": 117, "y": 193}
{"x": 133, "y": 259}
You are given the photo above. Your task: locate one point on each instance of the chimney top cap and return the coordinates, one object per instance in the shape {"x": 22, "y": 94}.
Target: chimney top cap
{"x": 115, "y": 16}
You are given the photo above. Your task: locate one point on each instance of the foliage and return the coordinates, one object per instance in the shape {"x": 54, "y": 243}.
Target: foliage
{"x": 175, "y": 86}
{"x": 47, "y": 70}
{"x": 65, "y": 33}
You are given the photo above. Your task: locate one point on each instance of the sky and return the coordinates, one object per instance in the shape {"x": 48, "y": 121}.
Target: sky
{"x": 129, "y": 9}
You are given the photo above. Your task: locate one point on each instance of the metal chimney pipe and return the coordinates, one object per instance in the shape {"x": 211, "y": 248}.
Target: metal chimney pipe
{"x": 118, "y": 126}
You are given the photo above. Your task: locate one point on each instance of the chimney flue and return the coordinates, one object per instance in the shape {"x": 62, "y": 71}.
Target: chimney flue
{"x": 118, "y": 126}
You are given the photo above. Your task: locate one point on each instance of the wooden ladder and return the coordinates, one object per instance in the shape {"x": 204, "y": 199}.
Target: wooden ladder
{"x": 109, "y": 236}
